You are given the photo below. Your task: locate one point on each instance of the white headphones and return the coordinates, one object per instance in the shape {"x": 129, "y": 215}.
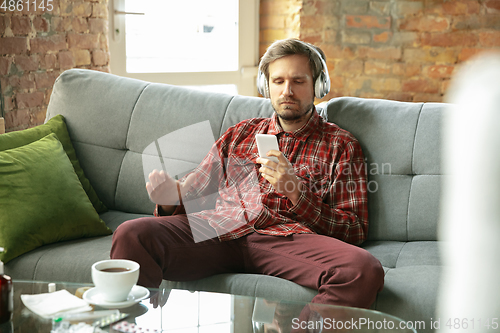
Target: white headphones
{"x": 321, "y": 86}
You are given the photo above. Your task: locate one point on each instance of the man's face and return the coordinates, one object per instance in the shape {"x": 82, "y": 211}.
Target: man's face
{"x": 291, "y": 87}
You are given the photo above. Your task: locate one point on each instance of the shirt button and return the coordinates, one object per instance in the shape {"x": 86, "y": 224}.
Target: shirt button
{"x": 287, "y": 134}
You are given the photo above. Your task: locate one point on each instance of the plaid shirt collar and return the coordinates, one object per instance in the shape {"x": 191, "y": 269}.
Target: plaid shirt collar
{"x": 310, "y": 127}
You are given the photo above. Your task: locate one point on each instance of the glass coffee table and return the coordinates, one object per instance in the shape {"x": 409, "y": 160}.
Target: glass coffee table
{"x": 181, "y": 311}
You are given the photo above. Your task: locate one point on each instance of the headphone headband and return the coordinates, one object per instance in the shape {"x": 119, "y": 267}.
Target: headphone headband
{"x": 321, "y": 85}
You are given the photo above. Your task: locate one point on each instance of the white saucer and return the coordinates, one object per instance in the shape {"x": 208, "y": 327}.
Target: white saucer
{"x": 137, "y": 294}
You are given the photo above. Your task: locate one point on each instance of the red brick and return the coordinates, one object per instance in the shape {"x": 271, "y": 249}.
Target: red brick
{"x": 383, "y": 37}
{"x": 48, "y": 93}
{"x": 24, "y": 82}
{"x": 83, "y": 41}
{"x": 5, "y": 63}
{"x": 5, "y": 86}
{"x": 439, "y": 71}
{"x": 450, "y": 39}
{"x": 8, "y": 103}
{"x": 406, "y": 69}
{"x": 20, "y": 25}
{"x": 29, "y": 100}
{"x": 427, "y": 23}
{"x": 313, "y": 22}
{"x": 371, "y": 95}
{"x": 83, "y": 9}
{"x": 336, "y": 82}
{"x": 400, "y": 96}
{"x": 311, "y": 36}
{"x": 492, "y": 6}
{"x": 380, "y": 53}
{"x": 355, "y": 37}
{"x": 490, "y": 39}
{"x": 456, "y": 7}
{"x": 82, "y": 57}
{"x": 17, "y": 118}
{"x": 80, "y": 25}
{"x": 38, "y": 116}
{"x": 100, "y": 58}
{"x": 445, "y": 85}
{"x": 368, "y": 22}
{"x": 377, "y": 68}
{"x": 41, "y": 24}
{"x": 355, "y": 7}
{"x": 420, "y": 85}
{"x": 381, "y": 8}
{"x": 490, "y": 21}
{"x": 467, "y": 53}
{"x": 349, "y": 68}
{"x": 61, "y": 24}
{"x": 52, "y": 43}
{"x": 103, "y": 41}
{"x": 326, "y": 7}
{"x": 270, "y": 35}
{"x": 3, "y": 24}
{"x": 45, "y": 80}
{"x": 98, "y": 26}
{"x": 271, "y": 22}
{"x": 13, "y": 45}
{"x": 66, "y": 60}
{"x": 408, "y": 8}
{"x": 434, "y": 54}
{"x": 49, "y": 61}
{"x": 371, "y": 84}
{"x": 467, "y": 22}
{"x": 99, "y": 10}
{"x": 27, "y": 63}
{"x": 427, "y": 98}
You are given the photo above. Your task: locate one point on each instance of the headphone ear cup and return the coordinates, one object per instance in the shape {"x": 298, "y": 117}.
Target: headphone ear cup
{"x": 262, "y": 86}
{"x": 322, "y": 85}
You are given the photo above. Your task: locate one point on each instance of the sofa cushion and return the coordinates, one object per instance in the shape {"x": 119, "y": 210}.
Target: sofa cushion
{"x": 41, "y": 199}
{"x": 55, "y": 125}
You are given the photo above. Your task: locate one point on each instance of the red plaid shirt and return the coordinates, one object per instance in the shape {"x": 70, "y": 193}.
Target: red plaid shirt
{"x": 328, "y": 161}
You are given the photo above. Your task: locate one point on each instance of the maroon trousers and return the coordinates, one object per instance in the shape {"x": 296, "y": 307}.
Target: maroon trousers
{"x": 342, "y": 273}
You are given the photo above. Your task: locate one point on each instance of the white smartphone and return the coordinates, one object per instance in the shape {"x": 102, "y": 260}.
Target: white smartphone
{"x": 265, "y": 143}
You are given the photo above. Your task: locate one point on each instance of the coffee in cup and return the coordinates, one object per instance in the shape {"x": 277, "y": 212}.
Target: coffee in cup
{"x": 114, "y": 278}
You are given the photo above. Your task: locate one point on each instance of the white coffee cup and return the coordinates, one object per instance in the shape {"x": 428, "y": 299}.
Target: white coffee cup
{"x": 114, "y": 278}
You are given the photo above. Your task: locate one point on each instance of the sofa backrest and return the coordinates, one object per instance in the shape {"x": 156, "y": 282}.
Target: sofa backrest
{"x": 401, "y": 142}
{"x": 112, "y": 120}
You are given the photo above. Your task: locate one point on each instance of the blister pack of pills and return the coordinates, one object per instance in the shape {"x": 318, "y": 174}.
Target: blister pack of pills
{"x": 133, "y": 328}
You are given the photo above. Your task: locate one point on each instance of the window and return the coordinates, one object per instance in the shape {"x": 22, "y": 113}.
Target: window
{"x": 206, "y": 44}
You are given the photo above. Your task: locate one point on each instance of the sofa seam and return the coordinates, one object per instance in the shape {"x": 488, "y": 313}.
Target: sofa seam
{"x": 412, "y": 172}
{"x": 126, "y": 142}
{"x": 225, "y": 115}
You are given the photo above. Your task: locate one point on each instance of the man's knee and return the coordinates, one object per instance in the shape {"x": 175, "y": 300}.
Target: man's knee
{"x": 355, "y": 283}
{"x": 368, "y": 277}
{"x": 371, "y": 270}
{"x": 132, "y": 234}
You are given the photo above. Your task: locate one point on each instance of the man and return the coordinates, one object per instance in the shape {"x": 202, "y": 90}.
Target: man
{"x": 293, "y": 219}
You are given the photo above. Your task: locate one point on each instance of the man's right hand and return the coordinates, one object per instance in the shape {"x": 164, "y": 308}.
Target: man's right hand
{"x": 162, "y": 188}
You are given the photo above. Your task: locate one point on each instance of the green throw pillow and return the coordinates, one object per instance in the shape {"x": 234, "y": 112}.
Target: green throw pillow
{"x": 42, "y": 200}
{"x": 55, "y": 125}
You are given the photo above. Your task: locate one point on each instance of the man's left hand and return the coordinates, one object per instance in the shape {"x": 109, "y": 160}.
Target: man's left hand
{"x": 281, "y": 175}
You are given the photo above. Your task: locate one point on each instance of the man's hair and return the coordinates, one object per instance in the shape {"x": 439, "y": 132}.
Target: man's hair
{"x": 292, "y": 46}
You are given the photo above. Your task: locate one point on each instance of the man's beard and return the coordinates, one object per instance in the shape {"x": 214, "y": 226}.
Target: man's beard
{"x": 298, "y": 114}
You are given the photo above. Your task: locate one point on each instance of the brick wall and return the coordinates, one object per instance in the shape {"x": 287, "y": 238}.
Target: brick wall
{"x": 399, "y": 50}
{"x": 37, "y": 45}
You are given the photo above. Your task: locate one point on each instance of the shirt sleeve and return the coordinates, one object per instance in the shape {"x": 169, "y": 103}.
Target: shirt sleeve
{"x": 204, "y": 189}
{"x": 343, "y": 212}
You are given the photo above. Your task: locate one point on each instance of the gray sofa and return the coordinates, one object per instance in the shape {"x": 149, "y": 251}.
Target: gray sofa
{"x": 111, "y": 120}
